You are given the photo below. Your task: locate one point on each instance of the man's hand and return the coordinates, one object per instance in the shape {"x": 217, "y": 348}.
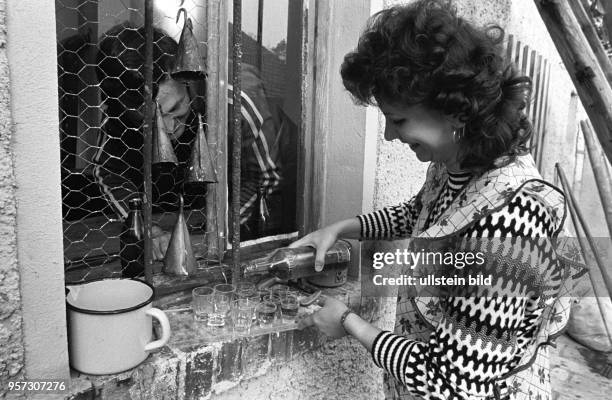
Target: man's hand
{"x": 159, "y": 242}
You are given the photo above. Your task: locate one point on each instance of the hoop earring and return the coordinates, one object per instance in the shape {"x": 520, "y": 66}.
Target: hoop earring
{"x": 457, "y": 135}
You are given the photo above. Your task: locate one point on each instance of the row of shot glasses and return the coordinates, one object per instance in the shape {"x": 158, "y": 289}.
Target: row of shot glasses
{"x": 243, "y": 306}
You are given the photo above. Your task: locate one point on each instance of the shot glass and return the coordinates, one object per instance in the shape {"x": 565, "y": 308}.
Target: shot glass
{"x": 262, "y": 293}
{"x": 202, "y": 303}
{"x": 242, "y": 315}
{"x": 266, "y": 313}
{"x": 276, "y": 299}
{"x": 245, "y": 289}
{"x": 289, "y": 307}
{"x": 279, "y": 290}
{"x": 223, "y": 296}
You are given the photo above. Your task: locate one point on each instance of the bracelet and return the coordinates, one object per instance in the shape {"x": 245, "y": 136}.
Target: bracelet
{"x": 343, "y": 317}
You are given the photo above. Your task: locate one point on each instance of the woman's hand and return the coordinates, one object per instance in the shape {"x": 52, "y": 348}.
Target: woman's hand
{"x": 327, "y": 319}
{"x": 160, "y": 240}
{"x": 321, "y": 240}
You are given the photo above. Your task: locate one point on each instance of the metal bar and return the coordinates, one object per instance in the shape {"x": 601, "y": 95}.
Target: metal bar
{"x": 147, "y": 132}
{"x": 260, "y": 13}
{"x": 598, "y": 164}
{"x": 237, "y": 136}
{"x": 574, "y": 209}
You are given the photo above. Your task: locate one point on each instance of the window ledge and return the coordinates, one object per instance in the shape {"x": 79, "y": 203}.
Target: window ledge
{"x": 193, "y": 366}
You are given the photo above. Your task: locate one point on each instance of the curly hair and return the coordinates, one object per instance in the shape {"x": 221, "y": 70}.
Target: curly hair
{"x": 423, "y": 53}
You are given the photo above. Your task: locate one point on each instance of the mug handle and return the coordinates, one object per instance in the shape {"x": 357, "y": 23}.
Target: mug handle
{"x": 165, "y": 326}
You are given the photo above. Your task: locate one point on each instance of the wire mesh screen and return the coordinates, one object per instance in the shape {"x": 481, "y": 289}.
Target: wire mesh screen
{"x": 101, "y": 47}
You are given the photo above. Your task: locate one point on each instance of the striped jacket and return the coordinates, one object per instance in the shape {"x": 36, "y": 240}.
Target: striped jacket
{"x": 478, "y": 342}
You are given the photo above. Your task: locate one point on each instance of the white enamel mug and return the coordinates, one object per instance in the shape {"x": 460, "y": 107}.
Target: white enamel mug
{"x": 110, "y": 325}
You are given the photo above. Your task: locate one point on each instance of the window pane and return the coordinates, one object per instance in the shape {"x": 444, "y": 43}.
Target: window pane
{"x": 101, "y": 104}
{"x": 271, "y": 115}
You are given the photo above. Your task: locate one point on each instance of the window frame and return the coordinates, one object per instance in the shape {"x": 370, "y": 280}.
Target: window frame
{"x": 38, "y": 192}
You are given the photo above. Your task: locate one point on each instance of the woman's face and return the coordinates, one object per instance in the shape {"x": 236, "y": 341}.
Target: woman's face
{"x": 173, "y": 100}
{"x": 429, "y": 133}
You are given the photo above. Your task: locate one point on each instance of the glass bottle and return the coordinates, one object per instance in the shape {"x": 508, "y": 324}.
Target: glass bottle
{"x": 287, "y": 263}
{"x": 131, "y": 248}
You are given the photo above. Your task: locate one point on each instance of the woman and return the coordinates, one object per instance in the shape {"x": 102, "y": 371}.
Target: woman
{"x": 447, "y": 93}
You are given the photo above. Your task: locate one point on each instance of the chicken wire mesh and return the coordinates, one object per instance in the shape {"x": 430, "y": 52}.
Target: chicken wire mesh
{"x": 101, "y": 46}
{"x": 101, "y": 104}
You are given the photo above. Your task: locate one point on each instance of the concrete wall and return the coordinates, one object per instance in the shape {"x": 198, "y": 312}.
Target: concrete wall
{"x": 11, "y": 331}
{"x": 32, "y": 57}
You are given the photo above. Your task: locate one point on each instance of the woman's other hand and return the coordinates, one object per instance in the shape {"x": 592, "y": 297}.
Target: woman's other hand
{"x": 160, "y": 240}
{"x": 327, "y": 319}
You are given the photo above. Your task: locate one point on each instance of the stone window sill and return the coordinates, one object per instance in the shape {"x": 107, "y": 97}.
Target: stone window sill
{"x": 193, "y": 365}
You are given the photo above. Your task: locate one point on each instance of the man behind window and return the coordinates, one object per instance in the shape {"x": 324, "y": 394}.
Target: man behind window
{"x": 119, "y": 160}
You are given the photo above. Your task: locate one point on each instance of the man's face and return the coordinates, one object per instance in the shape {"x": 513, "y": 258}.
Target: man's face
{"x": 173, "y": 100}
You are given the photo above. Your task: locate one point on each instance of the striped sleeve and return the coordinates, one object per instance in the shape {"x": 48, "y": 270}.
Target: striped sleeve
{"x": 390, "y": 222}
{"x": 483, "y": 331}
{"x": 259, "y": 146}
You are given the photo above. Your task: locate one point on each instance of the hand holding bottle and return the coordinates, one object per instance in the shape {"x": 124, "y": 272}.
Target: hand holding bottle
{"x": 325, "y": 238}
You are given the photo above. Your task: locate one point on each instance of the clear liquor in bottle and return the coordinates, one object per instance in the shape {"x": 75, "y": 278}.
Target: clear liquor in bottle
{"x": 287, "y": 263}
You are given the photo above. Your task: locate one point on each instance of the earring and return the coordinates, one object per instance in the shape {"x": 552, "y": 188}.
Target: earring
{"x": 457, "y": 135}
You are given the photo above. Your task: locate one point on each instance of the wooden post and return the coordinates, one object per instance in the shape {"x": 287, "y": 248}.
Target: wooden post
{"x": 576, "y": 212}
{"x": 582, "y": 66}
{"x": 598, "y": 163}
{"x": 583, "y": 18}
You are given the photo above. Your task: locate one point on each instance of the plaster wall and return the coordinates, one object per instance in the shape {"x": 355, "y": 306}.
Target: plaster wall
{"x": 340, "y": 369}
{"x": 31, "y": 50}
{"x": 11, "y": 330}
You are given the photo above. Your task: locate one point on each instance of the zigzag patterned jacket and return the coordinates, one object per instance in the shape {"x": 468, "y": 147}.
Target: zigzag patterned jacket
{"x": 481, "y": 338}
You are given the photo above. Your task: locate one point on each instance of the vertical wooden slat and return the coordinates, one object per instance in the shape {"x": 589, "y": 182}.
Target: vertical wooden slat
{"x": 510, "y": 47}
{"x": 216, "y": 119}
{"x": 306, "y": 140}
{"x": 525, "y": 71}
{"x": 538, "y": 102}
{"x": 518, "y": 57}
{"x": 544, "y": 118}
{"x": 531, "y": 106}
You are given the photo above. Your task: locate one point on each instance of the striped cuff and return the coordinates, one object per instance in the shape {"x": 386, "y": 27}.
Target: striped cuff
{"x": 390, "y": 352}
{"x": 373, "y": 225}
